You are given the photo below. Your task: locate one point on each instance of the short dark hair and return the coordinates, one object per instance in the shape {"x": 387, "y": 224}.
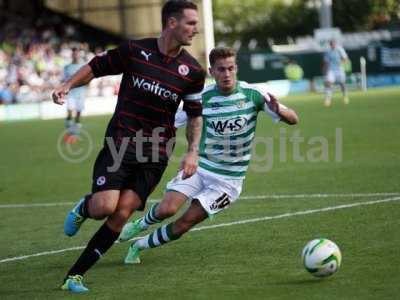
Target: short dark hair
{"x": 174, "y": 8}
{"x": 221, "y": 52}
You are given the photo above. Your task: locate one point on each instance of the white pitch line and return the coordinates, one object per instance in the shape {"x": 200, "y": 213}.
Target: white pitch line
{"x": 296, "y": 196}
{"x": 266, "y": 218}
{"x": 35, "y": 205}
{"x": 40, "y": 254}
{"x": 254, "y": 197}
{"x": 298, "y": 213}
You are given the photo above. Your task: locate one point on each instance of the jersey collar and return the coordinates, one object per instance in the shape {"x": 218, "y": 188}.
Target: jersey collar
{"x": 235, "y": 90}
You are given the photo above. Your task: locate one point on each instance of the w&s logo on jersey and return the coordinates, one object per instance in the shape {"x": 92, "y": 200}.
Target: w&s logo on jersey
{"x": 229, "y": 126}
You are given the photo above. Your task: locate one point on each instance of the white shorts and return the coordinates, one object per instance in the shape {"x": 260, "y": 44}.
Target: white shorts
{"x": 333, "y": 76}
{"x": 75, "y": 103}
{"x": 213, "y": 192}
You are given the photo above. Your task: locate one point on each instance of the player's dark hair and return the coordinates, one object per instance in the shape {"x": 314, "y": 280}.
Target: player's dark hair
{"x": 220, "y": 52}
{"x": 174, "y": 8}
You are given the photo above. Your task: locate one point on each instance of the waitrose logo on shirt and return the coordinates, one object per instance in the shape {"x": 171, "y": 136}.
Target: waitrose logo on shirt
{"x": 155, "y": 88}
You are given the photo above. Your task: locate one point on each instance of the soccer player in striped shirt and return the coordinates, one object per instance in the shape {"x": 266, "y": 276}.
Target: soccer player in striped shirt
{"x": 158, "y": 73}
{"x": 230, "y": 109}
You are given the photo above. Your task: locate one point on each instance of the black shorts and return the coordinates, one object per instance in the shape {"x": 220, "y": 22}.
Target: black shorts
{"x": 139, "y": 177}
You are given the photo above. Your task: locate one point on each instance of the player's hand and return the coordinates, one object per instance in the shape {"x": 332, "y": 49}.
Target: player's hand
{"x": 189, "y": 164}
{"x": 272, "y": 103}
{"x": 59, "y": 93}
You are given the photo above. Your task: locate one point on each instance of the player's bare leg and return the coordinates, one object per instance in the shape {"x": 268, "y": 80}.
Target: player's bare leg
{"x": 119, "y": 206}
{"x": 78, "y": 117}
{"x": 194, "y": 215}
{"x": 69, "y": 123}
{"x": 167, "y": 233}
{"x": 74, "y": 129}
{"x": 68, "y": 120}
{"x": 344, "y": 92}
{"x": 96, "y": 206}
{"x": 328, "y": 94}
{"x": 168, "y": 207}
{"x": 129, "y": 202}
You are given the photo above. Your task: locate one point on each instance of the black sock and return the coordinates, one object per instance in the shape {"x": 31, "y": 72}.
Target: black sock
{"x": 101, "y": 241}
{"x": 84, "y": 210}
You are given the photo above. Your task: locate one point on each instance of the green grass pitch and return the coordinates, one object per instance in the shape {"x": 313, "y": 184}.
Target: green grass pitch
{"x": 341, "y": 197}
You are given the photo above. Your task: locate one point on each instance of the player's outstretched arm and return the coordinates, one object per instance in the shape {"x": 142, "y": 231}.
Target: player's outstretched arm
{"x": 286, "y": 114}
{"x": 82, "y": 77}
{"x": 193, "y": 134}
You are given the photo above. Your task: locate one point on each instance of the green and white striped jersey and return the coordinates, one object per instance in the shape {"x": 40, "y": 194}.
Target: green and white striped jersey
{"x": 229, "y": 124}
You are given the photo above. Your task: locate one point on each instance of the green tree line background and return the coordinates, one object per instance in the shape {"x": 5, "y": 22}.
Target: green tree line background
{"x": 280, "y": 19}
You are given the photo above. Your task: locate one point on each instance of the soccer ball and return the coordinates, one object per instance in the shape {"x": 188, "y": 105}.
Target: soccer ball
{"x": 321, "y": 257}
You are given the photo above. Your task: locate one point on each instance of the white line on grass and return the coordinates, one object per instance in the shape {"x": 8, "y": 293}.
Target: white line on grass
{"x": 41, "y": 254}
{"x": 298, "y": 213}
{"x": 35, "y": 205}
{"x": 297, "y": 196}
{"x": 281, "y": 216}
{"x": 282, "y": 196}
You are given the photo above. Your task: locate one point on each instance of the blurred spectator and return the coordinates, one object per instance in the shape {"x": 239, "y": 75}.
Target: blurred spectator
{"x": 32, "y": 62}
{"x": 7, "y": 94}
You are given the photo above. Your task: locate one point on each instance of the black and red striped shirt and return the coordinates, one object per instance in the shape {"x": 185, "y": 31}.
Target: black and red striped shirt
{"x": 152, "y": 87}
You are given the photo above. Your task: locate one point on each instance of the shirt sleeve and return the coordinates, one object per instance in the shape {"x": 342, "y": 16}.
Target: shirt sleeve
{"x": 268, "y": 98}
{"x": 112, "y": 62}
{"x": 264, "y": 101}
{"x": 343, "y": 54}
{"x": 192, "y": 100}
{"x": 180, "y": 118}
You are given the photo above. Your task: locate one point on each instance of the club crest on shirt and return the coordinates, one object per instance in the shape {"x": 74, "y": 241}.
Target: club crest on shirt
{"x": 101, "y": 180}
{"x": 183, "y": 70}
{"x": 241, "y": 104}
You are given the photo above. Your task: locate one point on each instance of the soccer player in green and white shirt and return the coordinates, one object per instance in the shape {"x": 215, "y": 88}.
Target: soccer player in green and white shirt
{"x": 230, "y": 109}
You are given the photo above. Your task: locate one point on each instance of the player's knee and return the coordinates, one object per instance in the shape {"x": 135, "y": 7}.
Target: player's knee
{"x": 166, "y": 211}
{"x": 101, "y": 207}
{"x": 118, "y": 219}
{"x": 102, "y": 213}
{"x": 122, "y": 215}
{"x": 108, "y": 209}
